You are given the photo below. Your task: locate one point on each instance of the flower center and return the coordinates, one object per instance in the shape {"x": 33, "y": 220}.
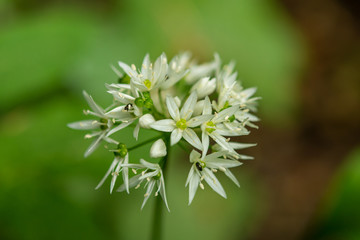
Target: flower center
{"x": 147, "y": 83}
{"x": 181, "y": 124}
{"x": 211, "y": 127}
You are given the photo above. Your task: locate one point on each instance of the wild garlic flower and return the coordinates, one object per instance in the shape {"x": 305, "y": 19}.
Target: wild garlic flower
{"x": 152, "y": 175}
{"x": 102, "y": 125}
{"x": 181, "y": 123}
{"x": 196, "y": 106}
{"x": 203, "y": 168}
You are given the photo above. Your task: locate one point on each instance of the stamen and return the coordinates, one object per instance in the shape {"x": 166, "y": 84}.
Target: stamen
{"x": 87, "y": 136}
{"x": 133, "y": 67}
{"x": 222, "y": 169}
{"x": 144, "y": 66}
{"x": 146, "y": 195}
{"x": 214, "y": 170}
{"x": 148, "y": 179}
{"x": 202, "y": 178}
{"x": 201, "y": 186}
{"x": 134, "y": 171}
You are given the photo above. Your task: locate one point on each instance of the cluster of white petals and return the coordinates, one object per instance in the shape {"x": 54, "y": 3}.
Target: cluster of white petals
{"x": 195, "y": 106}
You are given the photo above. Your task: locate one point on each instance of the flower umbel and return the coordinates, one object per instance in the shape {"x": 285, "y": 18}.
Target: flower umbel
{"x": 199, "y": 107}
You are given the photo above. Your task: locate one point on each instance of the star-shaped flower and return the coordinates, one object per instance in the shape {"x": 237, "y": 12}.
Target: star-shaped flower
{"x": 181, "y": 123}
{"x": 152, "y": 175}
{"x": 204, "y": 167}
{"x": 103, "y": 125}
{"x": 118, "y": 165}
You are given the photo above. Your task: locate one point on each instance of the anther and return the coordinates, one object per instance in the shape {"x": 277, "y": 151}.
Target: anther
{"x": 201, "y": 186}
{"x": 134, "y": 171}
{"x": 222, "y": 169}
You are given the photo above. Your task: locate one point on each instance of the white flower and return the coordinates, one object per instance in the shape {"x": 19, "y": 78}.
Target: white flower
{"x": 117, "y": 166}
{"x": 181, "y": 123}
{"x": 158, "y": 149}
{"x": 204, "y": 167}
{"x": 211, "y": 128}
{"x": 150, "y": 77}
{"x": 102, "y": 125}
{"x": 177, "y": 70}
{"x": 152, "y": 175}
{"x": 204, "y": 87}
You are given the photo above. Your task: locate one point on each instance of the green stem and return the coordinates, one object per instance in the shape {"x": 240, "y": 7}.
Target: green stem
{"x": 143, "y": 143}
{"x": 158, "y": 210}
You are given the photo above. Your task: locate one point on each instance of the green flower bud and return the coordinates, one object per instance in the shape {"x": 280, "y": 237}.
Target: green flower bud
{"x": 148, "y": 103}
{"x": 139, "y": 102}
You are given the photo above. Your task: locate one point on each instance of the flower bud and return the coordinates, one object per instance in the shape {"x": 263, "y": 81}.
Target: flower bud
{"x": 158, "y": 149}
{"x": 146, "y": 120}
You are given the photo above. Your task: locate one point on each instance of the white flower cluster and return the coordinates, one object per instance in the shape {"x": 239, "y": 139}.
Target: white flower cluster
{"x": 188, "y": 103}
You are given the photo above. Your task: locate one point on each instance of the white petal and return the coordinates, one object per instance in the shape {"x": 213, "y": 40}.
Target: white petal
{"x": 196, "y": 121}
{"x": 191, "y": 137}
{"x": 111, "y": 168}
{"x": 207, "y": 106}
{"x": 125, "y": 173}
{"x": 94, "y": 145}
{"x": 217, "y": 163}
{"x": 165, "y": 125}
{"x": 194, "y": 156}
{"x": 136, "y": 131}
{"x": 148, "y": 192}
{"x": 236, "y": 145}
{"x": 205, "y": 142}
{"x": 232, "y": 177}
{"x": 113, "y": 179}
{"x": 172, "y": 108}
{"x": 221, "y": 141}
{"x": 128, "y": 70}
{"x": 213, "y": 182}
{"x": 132, "y": 183}
{"x": 193, "y": 180}
{"x": 162, "y": 191}
{"x": 84, "y": 125}
{"x": 176, "y": 135}
{"x": 149, "y": 164}
{"x": 158, "y": 149}
{"x": 248, "y": 92}
{"x": 145, "y": 69}
{"x": 96, "y": 108}
{"x": 189, "y": 105}
{"x": 225, "y": 113}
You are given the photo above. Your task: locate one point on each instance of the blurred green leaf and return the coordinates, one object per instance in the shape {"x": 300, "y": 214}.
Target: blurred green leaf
{"x": 36, "y": 50}
{"x": 340, "y": 218}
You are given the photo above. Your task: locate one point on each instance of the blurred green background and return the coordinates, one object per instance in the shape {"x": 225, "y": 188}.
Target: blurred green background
{"x": 302, "y": 56}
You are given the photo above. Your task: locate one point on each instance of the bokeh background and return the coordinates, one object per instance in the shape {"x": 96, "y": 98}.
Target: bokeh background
{"x": 304, "y": 57}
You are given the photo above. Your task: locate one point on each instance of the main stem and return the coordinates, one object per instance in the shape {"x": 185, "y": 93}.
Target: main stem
{"x": 158, "y": 210}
